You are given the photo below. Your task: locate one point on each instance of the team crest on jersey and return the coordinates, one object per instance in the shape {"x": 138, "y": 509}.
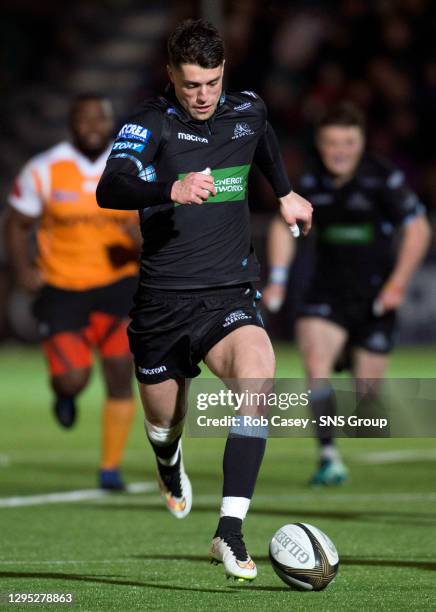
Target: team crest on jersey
{"x": 242, "y": 129}
{"x": 132, "y": 131}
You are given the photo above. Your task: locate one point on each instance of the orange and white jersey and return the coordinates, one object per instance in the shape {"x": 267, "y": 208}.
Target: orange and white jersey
{"x": 75, "y": 236}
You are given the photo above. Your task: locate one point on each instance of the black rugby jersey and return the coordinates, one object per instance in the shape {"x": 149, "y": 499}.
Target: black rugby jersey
{"x": 355, "y": 226}
{"x": 193, "y": 246}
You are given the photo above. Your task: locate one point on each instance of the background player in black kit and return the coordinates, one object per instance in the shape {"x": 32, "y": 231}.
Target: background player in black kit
{"x": 359, "y": 280}
{"x": 195, "y": 299}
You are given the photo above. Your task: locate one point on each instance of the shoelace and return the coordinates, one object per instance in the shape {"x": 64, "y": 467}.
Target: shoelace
{"x": 234, "y": 539}
{"x": 171, "y": 477}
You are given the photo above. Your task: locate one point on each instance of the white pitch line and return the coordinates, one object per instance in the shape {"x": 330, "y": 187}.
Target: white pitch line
{"x": 71, "y": 496}
{"x": 295, "y": 498}
{"x": 398, "y": 456}
{"x": 69, "y": 562}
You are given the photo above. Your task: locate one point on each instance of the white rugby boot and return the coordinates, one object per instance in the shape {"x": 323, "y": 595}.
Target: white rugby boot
{"x": 230, "y": 550}
{"x": 175, "y": 487}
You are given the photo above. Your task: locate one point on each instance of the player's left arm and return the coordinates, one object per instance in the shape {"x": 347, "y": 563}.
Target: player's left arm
{"x": 293, "y": 207}
{"x": 407, "y": 212}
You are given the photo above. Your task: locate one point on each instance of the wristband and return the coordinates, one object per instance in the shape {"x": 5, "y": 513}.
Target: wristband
{"x": 278, "y": 275}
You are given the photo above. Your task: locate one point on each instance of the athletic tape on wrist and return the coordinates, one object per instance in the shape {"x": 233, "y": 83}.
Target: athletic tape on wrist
{"x": 278, "y": 275}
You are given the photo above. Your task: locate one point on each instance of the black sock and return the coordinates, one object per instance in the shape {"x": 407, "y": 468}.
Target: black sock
{"x": 323, "y": 403}
{"x": 228, "y": 524}
{"x": 241, "y": 462}
{"x": 165, "y": 452}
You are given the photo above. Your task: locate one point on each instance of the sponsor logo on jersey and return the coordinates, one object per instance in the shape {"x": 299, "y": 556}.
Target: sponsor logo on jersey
{"x": 249, "y": 93}
{"x": 60, "y": 195}
{"x": 343, "y": 233}
{"x": 235, "y": 316}
{"x": 191, "y": 137}
{"x": 135, "y": 146}
{"x": 132, "y": 131}
{"x": 242, "y": 107}
{"x": 242, "y": 129}
{"x": 230, "y": 184}
{"x": 152, "y": 371}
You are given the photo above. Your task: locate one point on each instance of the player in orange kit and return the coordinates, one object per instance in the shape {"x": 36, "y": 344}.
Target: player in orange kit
{"x": 85, "y": 273}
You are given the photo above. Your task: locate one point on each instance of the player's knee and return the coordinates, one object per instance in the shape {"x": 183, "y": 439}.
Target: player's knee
{"x": 260, "y": 366}
{"x": 317, "y": 364}
{"x": 71, "y": 382}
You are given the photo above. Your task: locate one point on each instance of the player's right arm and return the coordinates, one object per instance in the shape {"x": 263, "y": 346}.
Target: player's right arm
{"x": 280, "y": 254}
{"x": 268, "y": 158}
{"x": 23, "y": 212}
{"x": 129, "y": 181}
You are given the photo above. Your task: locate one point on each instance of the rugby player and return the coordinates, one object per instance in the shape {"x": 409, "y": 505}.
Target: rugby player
{"x": 85, "y": 274}
{"x": 196, "y": 300}
{"x": 361, "y": 205}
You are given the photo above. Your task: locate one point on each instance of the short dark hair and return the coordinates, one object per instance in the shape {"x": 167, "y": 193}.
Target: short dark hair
{"x": 86, "y": 96}
{"x": 196, "y": 41}
{"x": 345, "y": 114}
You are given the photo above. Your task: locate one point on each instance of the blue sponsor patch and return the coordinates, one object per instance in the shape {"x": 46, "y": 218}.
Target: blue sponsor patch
{"x": 135, "y": 146}
{"x": 132, "y": 131}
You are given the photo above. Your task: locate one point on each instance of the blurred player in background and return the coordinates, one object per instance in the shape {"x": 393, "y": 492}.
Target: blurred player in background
{"x": 196, "y": 300}
{"x": 85, "y": 273}
{"x": 359, "y": 279}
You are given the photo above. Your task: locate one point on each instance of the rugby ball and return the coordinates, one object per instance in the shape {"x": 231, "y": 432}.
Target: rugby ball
{"x": 303, "y": 557}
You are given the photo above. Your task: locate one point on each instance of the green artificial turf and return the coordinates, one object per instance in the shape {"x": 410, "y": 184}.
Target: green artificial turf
{"x": 125, "y": 552}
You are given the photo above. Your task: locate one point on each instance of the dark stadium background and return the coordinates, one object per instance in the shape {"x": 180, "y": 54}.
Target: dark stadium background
{"x": 300, "y": 56}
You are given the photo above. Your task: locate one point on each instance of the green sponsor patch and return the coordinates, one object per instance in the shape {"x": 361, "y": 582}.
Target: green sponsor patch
{"x": 230, "y": 183}
{"x": 341, "y": 233}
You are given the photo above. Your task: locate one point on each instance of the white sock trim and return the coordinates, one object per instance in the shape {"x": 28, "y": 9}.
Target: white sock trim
{"x": 163, "y": 436}
{"x": 235, "y": 506}
{"x": 329, "y": 452}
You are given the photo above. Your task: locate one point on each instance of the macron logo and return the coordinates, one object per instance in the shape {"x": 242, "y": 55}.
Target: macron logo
{"x": 191, "y": 137}
{"x": 151, "y": 371}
